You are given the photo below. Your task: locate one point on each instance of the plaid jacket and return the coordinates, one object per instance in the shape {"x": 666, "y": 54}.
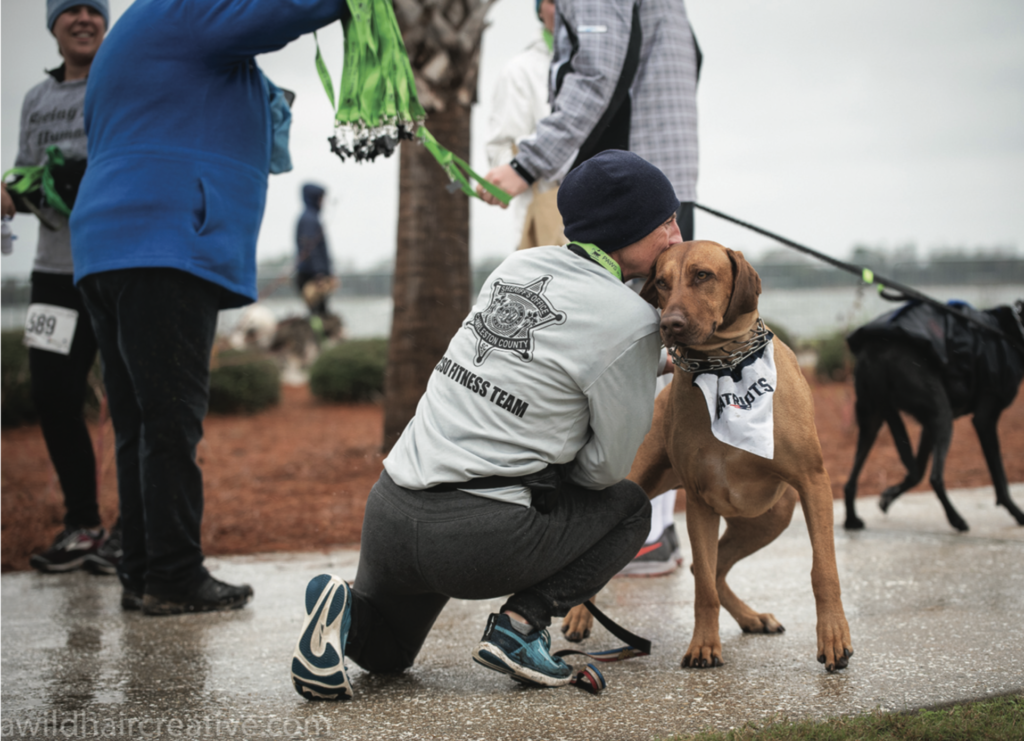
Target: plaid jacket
{"x": 597, "y": 44}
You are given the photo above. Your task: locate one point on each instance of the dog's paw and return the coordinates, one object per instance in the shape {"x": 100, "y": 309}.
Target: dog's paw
{"x": 888, "y": 497}
{"x": 834, "y": 645}
{"x": 577, "y": 623}
{"x": 836, "y": 664}
{"x": 959, "y": 523}
{"x": 853, "y": 523}
{"x": 763, "y": 622}
{"x": 700, "y": 656}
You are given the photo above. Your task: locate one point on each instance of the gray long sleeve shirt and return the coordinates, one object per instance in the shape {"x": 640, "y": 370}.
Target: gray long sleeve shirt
{"x": 555, "y": 362}
{"x": 52, "y": 114}
{"x": 591, "y": 43}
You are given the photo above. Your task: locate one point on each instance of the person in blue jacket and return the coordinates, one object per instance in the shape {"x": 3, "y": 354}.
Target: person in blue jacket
{"x": 179, "y": 121}
{"x": 313, "y": 260}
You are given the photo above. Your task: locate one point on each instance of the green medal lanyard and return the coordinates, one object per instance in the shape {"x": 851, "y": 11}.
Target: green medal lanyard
{"x": 40, "y": 178}
{"x": 602, "y": 258}
{"x": 377, "y": 86}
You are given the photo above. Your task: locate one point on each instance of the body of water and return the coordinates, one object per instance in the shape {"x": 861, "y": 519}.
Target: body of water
{"x": 805, "y": 313}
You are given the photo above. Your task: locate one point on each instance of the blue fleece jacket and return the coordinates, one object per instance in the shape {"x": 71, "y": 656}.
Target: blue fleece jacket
{"x": 179, "y": 138}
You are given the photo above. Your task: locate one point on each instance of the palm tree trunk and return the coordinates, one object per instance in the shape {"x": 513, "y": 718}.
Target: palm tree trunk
{"x": 432, "y": 277}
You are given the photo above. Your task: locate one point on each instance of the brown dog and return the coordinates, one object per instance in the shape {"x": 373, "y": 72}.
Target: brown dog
{"x": 708, "y": 298}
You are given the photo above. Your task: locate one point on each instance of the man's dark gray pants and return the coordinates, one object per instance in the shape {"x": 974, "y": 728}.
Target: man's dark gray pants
{"x": 419, "y": 549}
{"x": 155, "y": 329}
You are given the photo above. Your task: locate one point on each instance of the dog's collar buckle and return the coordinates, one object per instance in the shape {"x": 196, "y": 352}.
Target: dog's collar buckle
{"x": 744, "y": 350}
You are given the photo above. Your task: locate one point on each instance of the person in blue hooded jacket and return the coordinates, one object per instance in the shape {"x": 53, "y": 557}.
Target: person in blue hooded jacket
{"x": 179, "y": 119}
{"x": 313, "y": 264}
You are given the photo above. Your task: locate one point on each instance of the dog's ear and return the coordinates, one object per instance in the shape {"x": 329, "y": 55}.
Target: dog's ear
{"x": 746, "y": 287}
{"x": 649, "y": 293}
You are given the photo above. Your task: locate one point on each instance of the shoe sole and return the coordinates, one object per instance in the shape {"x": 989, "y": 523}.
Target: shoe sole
{"x": 651, "y": 568}
{"x": 57, "y": 568}
{"x": 318, "y": 663}
{"x": 99, "y": 566}
{"x": 490, "y": 656}
{"x": 184, "y": 608}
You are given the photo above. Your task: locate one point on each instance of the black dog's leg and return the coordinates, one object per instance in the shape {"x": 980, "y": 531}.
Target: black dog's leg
{"x": 915, "y": 467}
{"x": 943, "y": 426}
{"x": 985, "y": 421}
{"x": 869, "y": 421}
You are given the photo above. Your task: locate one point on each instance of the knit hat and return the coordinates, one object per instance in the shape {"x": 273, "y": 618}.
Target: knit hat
{"x": 614, "y": 199}
{"x": 55, "y": 7}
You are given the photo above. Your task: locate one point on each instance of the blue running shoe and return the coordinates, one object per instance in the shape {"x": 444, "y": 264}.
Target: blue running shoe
{"x": 318, "y": 664}
{"x": 525, "y": 658}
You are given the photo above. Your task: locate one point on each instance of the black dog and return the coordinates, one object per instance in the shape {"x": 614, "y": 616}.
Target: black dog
{"x": 936, "y": 367}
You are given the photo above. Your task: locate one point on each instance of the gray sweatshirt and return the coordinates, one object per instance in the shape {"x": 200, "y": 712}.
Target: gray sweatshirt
{"x": 52, "y": 114}
{"x": 556, "y": 362}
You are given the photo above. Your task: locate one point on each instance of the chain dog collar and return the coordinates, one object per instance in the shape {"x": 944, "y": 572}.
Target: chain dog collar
{"x": 744, "y": 350}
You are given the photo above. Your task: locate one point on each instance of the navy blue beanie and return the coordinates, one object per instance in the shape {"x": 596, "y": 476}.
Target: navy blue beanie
{"x": 55, "y": 7}
{"x": 614, "y": 199}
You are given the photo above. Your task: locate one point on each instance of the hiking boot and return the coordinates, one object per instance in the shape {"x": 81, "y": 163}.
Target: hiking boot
{"x": 130, "y": 599}
{"x": 108, "y": 555}
{"x": 318, "y": 664}
{"x": 211, "y": 595}
{"x": 524, "y": 657}
{"x": 69, "y": 551}
{"x": 656, "y": 559}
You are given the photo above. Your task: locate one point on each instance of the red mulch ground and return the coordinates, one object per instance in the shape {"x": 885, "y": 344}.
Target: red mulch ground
{"x": 296, "y": 477}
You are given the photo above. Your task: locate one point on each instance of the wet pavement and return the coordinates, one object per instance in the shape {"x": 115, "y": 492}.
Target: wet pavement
{"x": 935, "y": 617}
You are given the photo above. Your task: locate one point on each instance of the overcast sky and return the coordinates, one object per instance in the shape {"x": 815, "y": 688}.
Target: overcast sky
{"x": 831, "y": 123}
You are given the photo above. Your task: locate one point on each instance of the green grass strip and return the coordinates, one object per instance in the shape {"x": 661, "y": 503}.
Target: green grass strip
{"x": 994, "y": 719}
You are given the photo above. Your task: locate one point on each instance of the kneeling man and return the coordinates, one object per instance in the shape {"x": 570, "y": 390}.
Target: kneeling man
{"x": 510, "y": 478}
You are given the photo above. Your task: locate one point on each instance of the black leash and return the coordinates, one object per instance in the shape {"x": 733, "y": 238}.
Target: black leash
{"x": 867, "y": 275}
{"x": 591, "y": 679}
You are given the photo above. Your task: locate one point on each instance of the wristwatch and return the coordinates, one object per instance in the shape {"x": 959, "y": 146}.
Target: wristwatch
{"x": 522, "y": 171}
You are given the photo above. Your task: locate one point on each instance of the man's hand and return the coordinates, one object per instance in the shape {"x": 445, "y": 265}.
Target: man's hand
{"x": 505, "y": 178}
{"x": 8, "y": 203}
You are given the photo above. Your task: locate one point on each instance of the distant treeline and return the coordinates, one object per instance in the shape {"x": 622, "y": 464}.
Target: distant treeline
{"x": 778, "y": 269}
{"x": 786, "y": 268}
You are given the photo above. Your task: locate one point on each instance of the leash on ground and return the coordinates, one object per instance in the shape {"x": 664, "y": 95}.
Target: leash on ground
{"x": 590, "y": 679}
{"x": 867, "y": 275}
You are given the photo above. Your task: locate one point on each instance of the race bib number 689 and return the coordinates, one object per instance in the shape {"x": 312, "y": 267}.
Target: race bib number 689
{"x": 49, "y": 327}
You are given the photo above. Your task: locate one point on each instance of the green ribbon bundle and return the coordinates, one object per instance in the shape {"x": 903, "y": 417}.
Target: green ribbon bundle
{"x": 377, "y": 104}
{"x": 36, "y": 186}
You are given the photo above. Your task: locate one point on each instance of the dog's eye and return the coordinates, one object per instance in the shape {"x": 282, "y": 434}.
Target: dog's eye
{"x": 703, "y": 275}
{"x": 661, "y": 284}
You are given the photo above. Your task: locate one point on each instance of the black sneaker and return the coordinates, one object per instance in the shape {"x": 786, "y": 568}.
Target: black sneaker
{"x": 130, "y": 599}
{"x": 210, "y": 596}
{"x": 107, "y": 556}
{"x": 657, "y": 559}
{"x": 69, "y": 551}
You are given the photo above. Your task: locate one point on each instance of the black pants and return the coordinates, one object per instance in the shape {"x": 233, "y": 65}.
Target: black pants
{"x": 59, "y": 384}
{"x": 155, "y": 328}
{"x": 419, "y": 549}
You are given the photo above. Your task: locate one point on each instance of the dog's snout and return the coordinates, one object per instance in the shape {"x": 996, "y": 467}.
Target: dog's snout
{"x": 673, "y": 324}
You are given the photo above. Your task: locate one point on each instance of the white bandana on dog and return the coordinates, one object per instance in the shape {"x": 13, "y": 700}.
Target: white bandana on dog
{"x": 740, "y": 402}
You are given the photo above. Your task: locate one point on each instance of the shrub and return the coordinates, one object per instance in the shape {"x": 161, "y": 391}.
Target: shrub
{"x": 17, "y": 406}
{"x": 835, "y": 361}
{"x": 350, "y": 371}
{"x": 243, "y": 382}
